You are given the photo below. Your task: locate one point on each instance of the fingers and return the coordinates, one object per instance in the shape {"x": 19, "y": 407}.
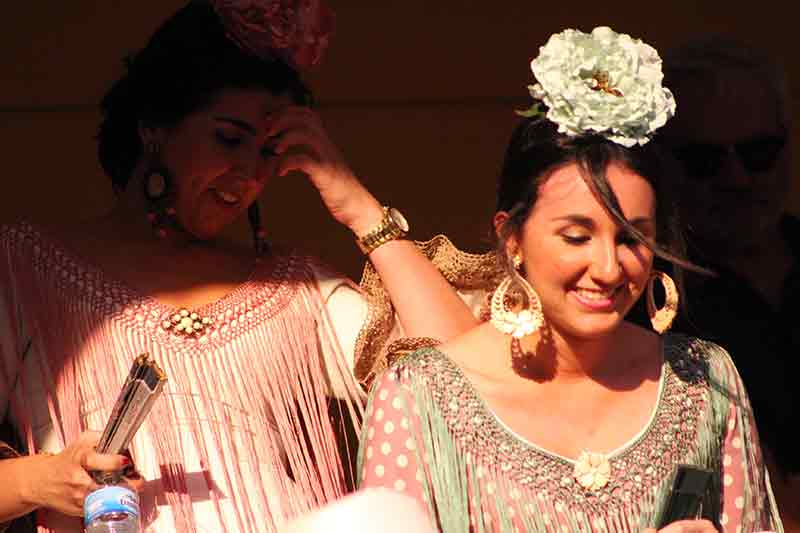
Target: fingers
{"x": 92, "y": 460}
{"x": 293, "y": 117}
{"x": 304, "y": 137}
{"x": 302, "y": 162}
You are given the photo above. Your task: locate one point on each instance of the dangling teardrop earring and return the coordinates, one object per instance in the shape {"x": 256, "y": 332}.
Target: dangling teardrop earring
{"x": 661, "y": 319}
{"x": 259, "y": 235}
{"x": 157, "y": 189}
{"x": 520, "y": 323}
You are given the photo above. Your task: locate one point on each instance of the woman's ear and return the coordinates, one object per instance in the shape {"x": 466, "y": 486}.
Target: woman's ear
{"x": 505, "y": 233}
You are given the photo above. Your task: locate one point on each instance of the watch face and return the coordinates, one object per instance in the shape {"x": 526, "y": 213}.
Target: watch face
{"x": 398, "y": 218}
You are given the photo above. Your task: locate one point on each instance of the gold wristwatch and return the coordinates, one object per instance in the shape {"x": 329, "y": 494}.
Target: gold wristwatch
{"x": 392, "y": 226}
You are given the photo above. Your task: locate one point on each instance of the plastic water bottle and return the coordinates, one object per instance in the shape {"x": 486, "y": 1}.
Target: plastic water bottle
{"x": 111, "y": 509}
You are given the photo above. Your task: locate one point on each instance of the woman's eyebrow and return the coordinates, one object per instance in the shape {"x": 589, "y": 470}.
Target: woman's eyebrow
{"x": 580, "y": 220}
{"x": 249, "y": 128}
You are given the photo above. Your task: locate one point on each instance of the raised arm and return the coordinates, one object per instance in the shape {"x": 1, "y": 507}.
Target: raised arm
{"x": 426, "y": 305}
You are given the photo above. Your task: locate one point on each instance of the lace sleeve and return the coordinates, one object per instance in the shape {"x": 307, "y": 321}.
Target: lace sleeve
{"x": 472, "y": 275}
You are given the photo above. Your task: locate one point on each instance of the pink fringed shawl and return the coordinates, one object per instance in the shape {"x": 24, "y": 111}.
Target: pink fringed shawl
{"x": 245, "y": 436}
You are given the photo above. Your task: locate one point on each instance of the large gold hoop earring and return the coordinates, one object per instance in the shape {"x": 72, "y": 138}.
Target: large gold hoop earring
{"x": 662, "y": 318}
{"x": 516, "y": 323}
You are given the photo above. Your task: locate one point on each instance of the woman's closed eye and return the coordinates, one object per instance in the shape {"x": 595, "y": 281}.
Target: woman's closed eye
{"x": 228, "y": 139}
{"x": 575, "y": 239}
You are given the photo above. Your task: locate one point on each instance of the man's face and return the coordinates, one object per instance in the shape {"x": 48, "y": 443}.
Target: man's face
{"x": 728, "y": 135}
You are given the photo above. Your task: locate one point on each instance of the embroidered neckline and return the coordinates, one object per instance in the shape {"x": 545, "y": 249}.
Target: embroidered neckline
{"x": 268, "y": 288}
{"x": 619, "y": 450}
{"x": 646, "y": 461}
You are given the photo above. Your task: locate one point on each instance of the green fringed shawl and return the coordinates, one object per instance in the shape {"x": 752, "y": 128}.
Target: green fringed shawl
{"x": 480, "y": 476}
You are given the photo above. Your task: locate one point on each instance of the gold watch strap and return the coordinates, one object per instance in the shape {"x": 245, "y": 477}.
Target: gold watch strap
{"x": 386, "y": 230}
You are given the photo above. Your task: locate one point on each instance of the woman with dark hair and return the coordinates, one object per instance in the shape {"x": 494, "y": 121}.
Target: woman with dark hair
{"x": 558, "y": 414}
{"x": 259, "y": 344}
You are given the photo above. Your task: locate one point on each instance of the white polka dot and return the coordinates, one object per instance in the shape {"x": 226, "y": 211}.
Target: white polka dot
{"x": 410, "y": 444}
{"x": 379, "y": 470}
{"x": 511, "y": 512}
{"x": 738, "y": 529}
{"x": 379, "y": 414}
{"x": 369, "y": 452}
{"x": 400, "y": 485}
{"x": 404, "y": 423}
{"x": 388, "y": 427}
{"x": 419, "y": 476}
{"x": 397, "y": 403}
{"x": 727, "y": 460}
{"x": 723, "y": 520}
{"x": 490, "y": 487}
{"x": 386, "y": 448}
{"x": 728, "y": 480}
{"x": 402, "y": 461}
{"x": 739, "y": 502}
{"x": 736, "y": 442}
{"x": 364, "y": 473}
{"x": 383, "y": 394}
{"x": 371, "y": 433}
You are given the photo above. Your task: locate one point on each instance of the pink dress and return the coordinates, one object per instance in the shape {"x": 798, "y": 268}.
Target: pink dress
{"x": 246, "y": 435}
{"x": 430, "y": 435}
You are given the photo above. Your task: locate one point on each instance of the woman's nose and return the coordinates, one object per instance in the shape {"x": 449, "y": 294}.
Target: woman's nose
{"x": 605, "y": 267}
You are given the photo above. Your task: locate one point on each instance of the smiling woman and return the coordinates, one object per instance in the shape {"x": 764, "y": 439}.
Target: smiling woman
{"x": 259, "y": 344}
{"x": 558, "y": 414}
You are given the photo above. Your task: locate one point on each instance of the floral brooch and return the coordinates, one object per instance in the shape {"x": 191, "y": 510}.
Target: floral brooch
{"x": 592, "y": 470}
{"x": 187, "y": 323}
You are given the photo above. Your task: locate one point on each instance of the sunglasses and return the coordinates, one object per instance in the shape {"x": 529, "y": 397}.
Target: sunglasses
{"x": 706, "y": 160}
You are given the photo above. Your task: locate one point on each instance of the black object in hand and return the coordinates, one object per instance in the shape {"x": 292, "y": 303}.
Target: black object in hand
{"x": 685, "y": 501}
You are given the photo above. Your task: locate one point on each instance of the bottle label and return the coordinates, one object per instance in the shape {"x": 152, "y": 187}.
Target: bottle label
{"x": 110, "y": 500}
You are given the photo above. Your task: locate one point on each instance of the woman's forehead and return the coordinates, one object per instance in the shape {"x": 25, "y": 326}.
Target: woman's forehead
{"x": 566, "y": 189}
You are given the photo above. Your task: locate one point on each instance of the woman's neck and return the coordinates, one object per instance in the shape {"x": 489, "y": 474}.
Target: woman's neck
{"x": 573, "y": 358}
{"x": 129, "y": 218}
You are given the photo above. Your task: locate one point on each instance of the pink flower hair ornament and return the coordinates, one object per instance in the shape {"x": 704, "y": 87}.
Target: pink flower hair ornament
{"x": 296, "y": 31}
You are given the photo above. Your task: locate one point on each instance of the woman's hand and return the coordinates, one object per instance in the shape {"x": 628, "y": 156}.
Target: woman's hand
{"x": 301, "y": 142}
{"x": 61, "y": 482}
{"x": 686, "y": 526}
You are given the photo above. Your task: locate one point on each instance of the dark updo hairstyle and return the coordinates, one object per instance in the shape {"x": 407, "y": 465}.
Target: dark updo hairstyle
{"x": 537, "y": 149}
{"x": 187, "y": 61}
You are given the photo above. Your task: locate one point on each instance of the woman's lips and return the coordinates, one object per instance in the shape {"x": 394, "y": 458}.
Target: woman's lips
{"x": 594, "y": 299}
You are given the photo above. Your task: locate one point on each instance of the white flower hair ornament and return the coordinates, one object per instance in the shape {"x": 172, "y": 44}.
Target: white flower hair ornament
{"x": 603, "y": 82}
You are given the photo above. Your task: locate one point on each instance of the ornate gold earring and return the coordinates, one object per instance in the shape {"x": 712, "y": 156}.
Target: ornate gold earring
{"x": 516, "y": 323}
{"x": 157, "y": 189}
{"x": 662, "y": 318}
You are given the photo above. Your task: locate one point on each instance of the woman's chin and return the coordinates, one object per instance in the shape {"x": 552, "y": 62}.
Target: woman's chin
{"x": 592, "y": 327}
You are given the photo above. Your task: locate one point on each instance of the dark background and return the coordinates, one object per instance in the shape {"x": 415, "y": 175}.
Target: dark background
{"x": 419, "y": 95}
